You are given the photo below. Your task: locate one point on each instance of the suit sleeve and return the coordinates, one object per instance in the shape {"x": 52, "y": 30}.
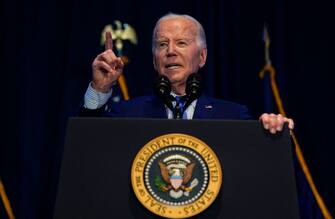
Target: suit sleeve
{"x": 244, "y": 113}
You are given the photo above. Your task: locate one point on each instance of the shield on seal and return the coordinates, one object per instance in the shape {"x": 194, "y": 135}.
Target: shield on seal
{"x": 176, "y": 181}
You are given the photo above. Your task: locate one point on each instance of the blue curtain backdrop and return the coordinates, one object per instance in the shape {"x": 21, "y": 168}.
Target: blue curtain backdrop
{"x": 47, "y": 48}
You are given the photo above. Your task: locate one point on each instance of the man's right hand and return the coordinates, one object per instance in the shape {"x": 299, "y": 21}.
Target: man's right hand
{"x": 106, "y": 67}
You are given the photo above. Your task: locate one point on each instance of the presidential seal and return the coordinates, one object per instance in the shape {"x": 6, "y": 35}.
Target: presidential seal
{"x": 176, "y": 176}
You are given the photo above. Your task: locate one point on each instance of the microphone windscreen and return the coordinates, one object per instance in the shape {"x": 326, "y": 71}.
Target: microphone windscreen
{"x": 162, "y": 86}
{"x": 193, "y": 85}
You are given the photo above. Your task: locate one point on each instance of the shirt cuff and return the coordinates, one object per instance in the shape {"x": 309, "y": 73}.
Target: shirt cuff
{"x": 94, "y": 99}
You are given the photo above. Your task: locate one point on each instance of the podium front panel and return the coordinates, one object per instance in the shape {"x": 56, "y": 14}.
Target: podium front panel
{"x": 258, "y": 178}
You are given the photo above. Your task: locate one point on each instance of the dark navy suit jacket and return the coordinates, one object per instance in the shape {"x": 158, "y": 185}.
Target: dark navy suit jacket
{"x": 152, "y": 107}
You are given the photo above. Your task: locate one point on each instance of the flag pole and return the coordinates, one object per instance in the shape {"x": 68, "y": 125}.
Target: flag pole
{"x": 5, "y": 201}
{"x": 122, "y": 81}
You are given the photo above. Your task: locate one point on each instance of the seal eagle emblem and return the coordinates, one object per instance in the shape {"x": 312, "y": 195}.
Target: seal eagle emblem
{"x": 176, "y": 171}
{"x": 176, "y": 176}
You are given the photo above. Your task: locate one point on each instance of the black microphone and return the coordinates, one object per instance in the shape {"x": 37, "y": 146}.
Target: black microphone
{"x": 193, "y": 88}
{"x": 162, "y": 88}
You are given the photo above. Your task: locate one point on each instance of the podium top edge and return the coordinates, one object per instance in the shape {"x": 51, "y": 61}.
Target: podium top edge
{"x": 158, "y": 119}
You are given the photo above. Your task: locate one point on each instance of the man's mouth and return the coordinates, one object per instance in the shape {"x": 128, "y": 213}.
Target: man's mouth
{"x": 172, "y": 66}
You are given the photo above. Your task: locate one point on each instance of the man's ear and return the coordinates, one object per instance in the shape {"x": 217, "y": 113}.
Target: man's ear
{"x": 203, "y": 57}
{"x": 154, "y": 62}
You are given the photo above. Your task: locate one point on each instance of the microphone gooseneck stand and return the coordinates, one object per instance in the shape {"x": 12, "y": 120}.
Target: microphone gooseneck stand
{"x": 162, "y": 89}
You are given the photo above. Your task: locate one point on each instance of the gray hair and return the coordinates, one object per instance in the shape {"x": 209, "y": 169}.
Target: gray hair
{"x": 201, "y": 36}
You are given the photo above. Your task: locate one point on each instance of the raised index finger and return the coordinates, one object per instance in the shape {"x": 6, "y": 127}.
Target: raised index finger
{"x": 108, "y": 41}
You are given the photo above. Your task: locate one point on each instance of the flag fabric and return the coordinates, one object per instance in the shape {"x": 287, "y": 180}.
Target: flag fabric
{"x": 310, "y": 201}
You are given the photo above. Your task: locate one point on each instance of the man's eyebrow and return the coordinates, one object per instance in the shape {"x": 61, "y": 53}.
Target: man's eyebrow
{"x": 186, "y": 39}
{"x": 161, "y": 39}
{"x": 179, "y": 38}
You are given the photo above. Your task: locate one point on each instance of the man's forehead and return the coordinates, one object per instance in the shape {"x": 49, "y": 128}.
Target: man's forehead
{"x": 175, "y": 27}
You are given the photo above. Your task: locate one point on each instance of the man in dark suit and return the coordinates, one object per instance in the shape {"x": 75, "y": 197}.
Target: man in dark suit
{"x": 179, "y": 49}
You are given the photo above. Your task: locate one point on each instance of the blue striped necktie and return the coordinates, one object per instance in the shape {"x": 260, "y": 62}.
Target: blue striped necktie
{"x": 179, "y": 107}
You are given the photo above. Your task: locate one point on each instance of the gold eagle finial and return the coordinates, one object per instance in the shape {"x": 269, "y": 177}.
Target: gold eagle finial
{"x": 120, "y": 33}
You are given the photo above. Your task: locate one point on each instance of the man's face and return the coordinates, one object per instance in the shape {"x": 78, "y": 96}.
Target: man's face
{"x": 177, "y": 52}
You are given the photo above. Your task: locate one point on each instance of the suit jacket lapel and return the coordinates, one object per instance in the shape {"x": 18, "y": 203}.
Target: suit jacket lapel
{"x": 204, "y": 109}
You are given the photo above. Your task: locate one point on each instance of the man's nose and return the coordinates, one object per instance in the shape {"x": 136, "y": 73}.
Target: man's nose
{"x": 171, "y": 50}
